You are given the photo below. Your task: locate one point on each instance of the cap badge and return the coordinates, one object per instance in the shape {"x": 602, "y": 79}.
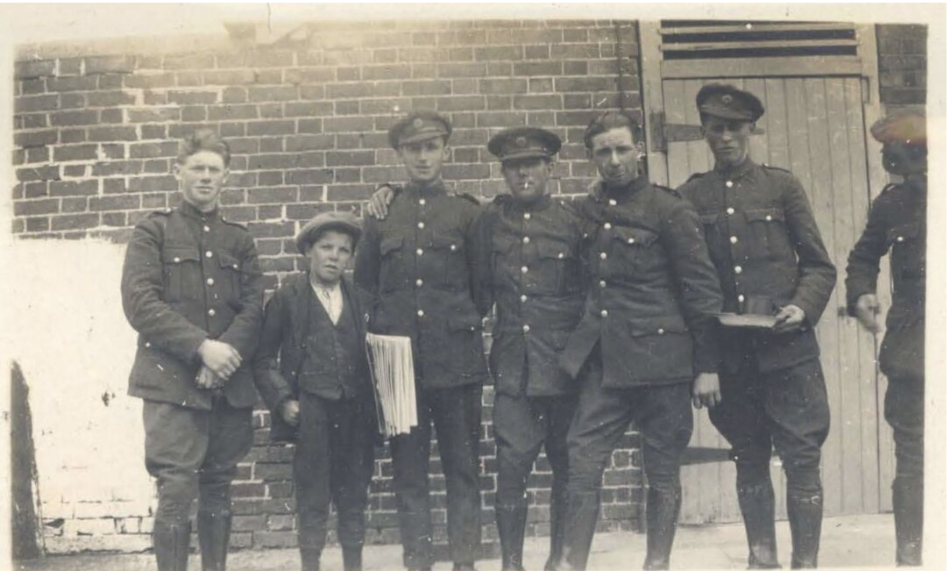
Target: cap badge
{"x": 727, "y": 99}
{"x": 417, "y": 123}
{"x": 521, "y": 141}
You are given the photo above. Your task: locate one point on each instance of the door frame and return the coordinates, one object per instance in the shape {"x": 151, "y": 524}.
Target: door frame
{"x": 654, "y": 70}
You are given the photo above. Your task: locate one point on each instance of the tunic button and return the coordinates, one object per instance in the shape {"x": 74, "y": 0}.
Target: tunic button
{"x": 524, "y": 269}
{"x": 630, "y": 240}
{"x": 148, "y": 344}
{"x": 526, "y": 240}
{"x": 730, "y": 211}
{"x": 177, "y": 259}
{"x": 603, "y": 255}
{"x": 452, "y": 247}
{"x": 603, "y": 283}
{"x": 768, "y": 217}
{"x": 421, "y": 313}
{"x": 527, "y": 216}
{"x": 419, "y": 252}
{"x": 418, "y": 283}
{"x": 207, "y": 229}
{"x": 900, "y": 238}
{"x": 560, "y": 255}
{"x": 741, "y": 298}
{"x": 524, "y": 298}
{"x": 612, "y": 202}
{"x": 422, "y": 201}
{"x": 421, "y": 225}
{"x": 526, "y": 328}
{"x": 209, "y": 254}
{"x": 733, "y": 239}
{"x": 603, "y": 313}
{"x": 607, "y": 226}
{"x": 210, "y": 313}
{"x": 660, "y": 331}
{"x": 738, "y": 269}
{"x": 729, "y": 183}
{"x": 210, "y": 281}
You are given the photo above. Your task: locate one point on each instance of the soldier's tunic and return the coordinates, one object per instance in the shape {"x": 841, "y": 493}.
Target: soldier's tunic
{"x": 897, "y": 224}
{"x": 766, "y": 246}
{"x": 190, "y": 276}
{"x": 534, "y": 273}
{"x": 415, "y": 265}
{"x": 648, "y": 329}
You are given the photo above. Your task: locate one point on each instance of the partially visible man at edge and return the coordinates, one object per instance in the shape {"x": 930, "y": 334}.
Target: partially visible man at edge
{"x": 193, "y": 290}
{"x": 897, "y": 224}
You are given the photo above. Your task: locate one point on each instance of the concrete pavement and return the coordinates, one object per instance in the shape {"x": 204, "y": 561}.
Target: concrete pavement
{"x": 855, "y": 542}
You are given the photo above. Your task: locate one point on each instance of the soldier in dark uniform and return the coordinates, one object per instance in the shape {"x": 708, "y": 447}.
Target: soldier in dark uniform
{"x": 765, "y": 244}
{"x": 897, "y": 224}
{"x": 415, "y": 265}
{"x": 319, "y": 393}
{"x": 534, "y": 274}
{"x": 646, "y": 338}
{"x": 192, "y": 288}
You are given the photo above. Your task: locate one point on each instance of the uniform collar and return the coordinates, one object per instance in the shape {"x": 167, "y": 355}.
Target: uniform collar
{"x": 622, "y": 194}
{"x": 738, "y": 171}
{"x": 918, "y": 184}
{"x": 191, "y": 212}
{"x": 536, "y": 206}
{"x": 433, "y": 189}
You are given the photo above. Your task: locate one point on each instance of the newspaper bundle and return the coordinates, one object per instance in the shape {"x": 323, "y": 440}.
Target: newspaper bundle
{"x": 394, "y": 380}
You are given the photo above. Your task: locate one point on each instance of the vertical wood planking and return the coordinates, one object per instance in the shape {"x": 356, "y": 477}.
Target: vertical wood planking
{"x": 759, "y": 144}
{"x": 674, "y": 105}
{"x": 776, "y": 122}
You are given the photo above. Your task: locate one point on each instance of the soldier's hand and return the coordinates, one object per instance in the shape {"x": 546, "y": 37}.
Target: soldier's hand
{"x": 706, "y": 390}
{"x": 789, "y": 318}
{"x": 866, "y": 310}
{"x": 378, "y": 206}
{"x": 220, "y": 357}
{"x": 290, "y": 411}
{"x": 207, "y": 380}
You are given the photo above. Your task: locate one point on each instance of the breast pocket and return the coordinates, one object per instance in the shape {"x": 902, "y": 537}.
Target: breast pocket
{"x": 907, "y": 249}
{"x": 392, "y": 271}
{"x": 227, "y": 283}
{"x": 502, "y": 248}
{"x": 448, "y": 253}
{"x": 633, "y": 250}
{"x": 768, "y": 233}
{"x": 181, "y": 272}
{"x": 559, "y": 271}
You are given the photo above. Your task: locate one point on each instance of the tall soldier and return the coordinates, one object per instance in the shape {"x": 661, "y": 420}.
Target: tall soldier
{"x": 192, "y": 288}
{"x": 897, "y": 224}
{"x": 415, "y": 265}
{"x": 646, "y": 338}
{"x": 765, "y": 244}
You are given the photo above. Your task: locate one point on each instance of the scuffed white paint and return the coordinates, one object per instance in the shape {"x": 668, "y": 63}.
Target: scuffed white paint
{"x": 76, "y": 350}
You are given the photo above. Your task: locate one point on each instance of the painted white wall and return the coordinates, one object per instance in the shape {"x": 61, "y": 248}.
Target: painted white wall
{"x": 76, "y": 350}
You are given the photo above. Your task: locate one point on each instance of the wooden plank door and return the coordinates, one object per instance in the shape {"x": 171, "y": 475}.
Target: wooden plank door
{"x": 814, "y": 127}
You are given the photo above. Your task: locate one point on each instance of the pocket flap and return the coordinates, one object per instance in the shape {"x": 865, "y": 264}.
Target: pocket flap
{"x": 635, "y": 236}
{"x": 903, "y": 232}
{"x": 390, "y": 244}
{"x": 657, "y": 326}
{"x": 553, "y": 250}
{"x": 470, "y": 322}
{"x": 710, "y": 218}
{"x": 178, "y": 255}
{"x": 226, "y": 260}
{"x": 445, "y": 241}
{"x": 765, "y": 215}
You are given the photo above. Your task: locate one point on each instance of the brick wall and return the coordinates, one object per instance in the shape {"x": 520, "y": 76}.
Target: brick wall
{"x": 95, "y": 137}
{"x": 902, "y": 64}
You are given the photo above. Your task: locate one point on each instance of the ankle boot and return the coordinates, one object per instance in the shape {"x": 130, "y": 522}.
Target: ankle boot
{"x": 908, "y": 523}
{"x": 511, "y": 520}
{"x": 353, "y": 558}
{"x": 558, "y": 507}
{"x": 757, "y": 504}
{"x": 804, "y": 519}
{"x": 663, "y": 508}
{"x": 310, "y": 559}
{"x": 583, "y": 509}
{"x": 172, "y": 542}
{"x": 214, "y": 535}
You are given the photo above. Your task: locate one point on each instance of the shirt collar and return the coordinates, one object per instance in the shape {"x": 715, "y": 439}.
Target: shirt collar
{"x": 738, "y": 171}
{"x": 433, "y": 189}
{"x": 622, "y": 194}
{"x": 536, "y": 206}
{"x": 190, "y": 211}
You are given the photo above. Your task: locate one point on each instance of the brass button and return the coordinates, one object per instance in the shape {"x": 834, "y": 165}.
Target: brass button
{"x": 730, "y": 211}
{"x": 612, "y": 202}
{"x": 421, "y": 313}
{"x": 422, "y": 202}
{"x": 603, "y": 313}
{"x": 207, "y": 229}
{"x": 729, "y": 184}
{"x": 526, "y": 328}
{"x": 419, "y": 252}
{"x": 524, "y": 298}
{"x": 210, "y": 313}
{"x": 733, "y": 239}
{"x": 741, "y": 298}
{"x": 419, "y": 283}
{"x": 768, "y": 217}
{"x": 526, "y": 240}
{"x": 209, "y": 254}
{"x": 900, "y": 238}
{"x": 603, "y": 255}
{"x": 630, "y": 240}
{"x": 607, "y": 226}
{"x": 738, "y": 269}
{"x": 421, "y": 225}
{"x": 603, "y": 283}
{"x": 524, "y": 269}
{"x": 452, "y": 247}
{"x": 527, "y": 216}
{"x": 177, "y": 259}
{"x": 660, "y": 331}
{"x": 210, "y": 281}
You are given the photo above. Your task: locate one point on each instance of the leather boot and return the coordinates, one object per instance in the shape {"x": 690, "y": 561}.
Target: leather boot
{"x": 908, "y": 523}
{"x": 171, "y": 543}
{"x": 804, "y": 519}
{"x": 511, "y": 520}
{"x": 558, "y": 509}
{"x": 757, "y": 504}
{"x": 584, "y": 509}
{"x": 353, "y": 558}
{"x": 310, "y": 559}
{"x": 214, "y": 535}
{"x": 663, "y": 508}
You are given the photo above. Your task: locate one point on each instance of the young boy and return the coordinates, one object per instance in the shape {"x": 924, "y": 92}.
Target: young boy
{"x": 312, "y": 371}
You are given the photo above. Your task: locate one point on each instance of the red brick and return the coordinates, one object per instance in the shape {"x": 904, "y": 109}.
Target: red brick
{"x": 32, "y": 87}
{"x": 306, "y": 211}
{"x": 32, "y": 121}
{"x": 112, "y": 134}
{"x": 429, "y": 87}
{"x": 503, "y": 86}
{"x": 352, "y": 158}
{"x": 308, "y": 109}
{"x": 314, "y": 176}
{"x": 463, "y": 70}
{"x": 575, "y": 51}
{"x": 188, "y": 61}
{"x": 110, "y": 64}
{"x": 275, "y": 539}
{"x": 74, "y": 188}
{"x": 117, "y": 168}
{"x": 71, "y": 83}
{"x": 34, "y": 190}
{"x": 535, "y": 68}
{"x": 74, "y": 222}
{"x": 308, "y": 142}
{"x": 584, "y": 84}
{"x": 35, "y": 103}
{"x": 269, "y": 58}
{"x": 154, "y": 115}
{"x": 347, "y": 124}
{"x": 35, "y": 207}
{"x": 232, "y": 112}
{"x": 33, "y": 69}
{"x": 113, "y": 116}
{"x": 258, "y": 128}
{"x": 120, "y": 202}
{"x": 36, "y": 224}
{"x": 152, "y": 183}
{"x": 275, "y": 93}
{"x": 74, "y": 205}
{"x": 240, "y": 77}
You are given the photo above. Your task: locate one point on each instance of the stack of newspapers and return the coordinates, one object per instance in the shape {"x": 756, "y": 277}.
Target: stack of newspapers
{"x": 394, "y": 378}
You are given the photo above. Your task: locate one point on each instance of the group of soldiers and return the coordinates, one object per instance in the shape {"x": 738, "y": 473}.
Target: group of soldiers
{"x": 608, "y": 309}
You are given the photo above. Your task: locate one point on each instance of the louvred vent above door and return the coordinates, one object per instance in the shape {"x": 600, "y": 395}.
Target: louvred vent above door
{"x": 704, "y": 39}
